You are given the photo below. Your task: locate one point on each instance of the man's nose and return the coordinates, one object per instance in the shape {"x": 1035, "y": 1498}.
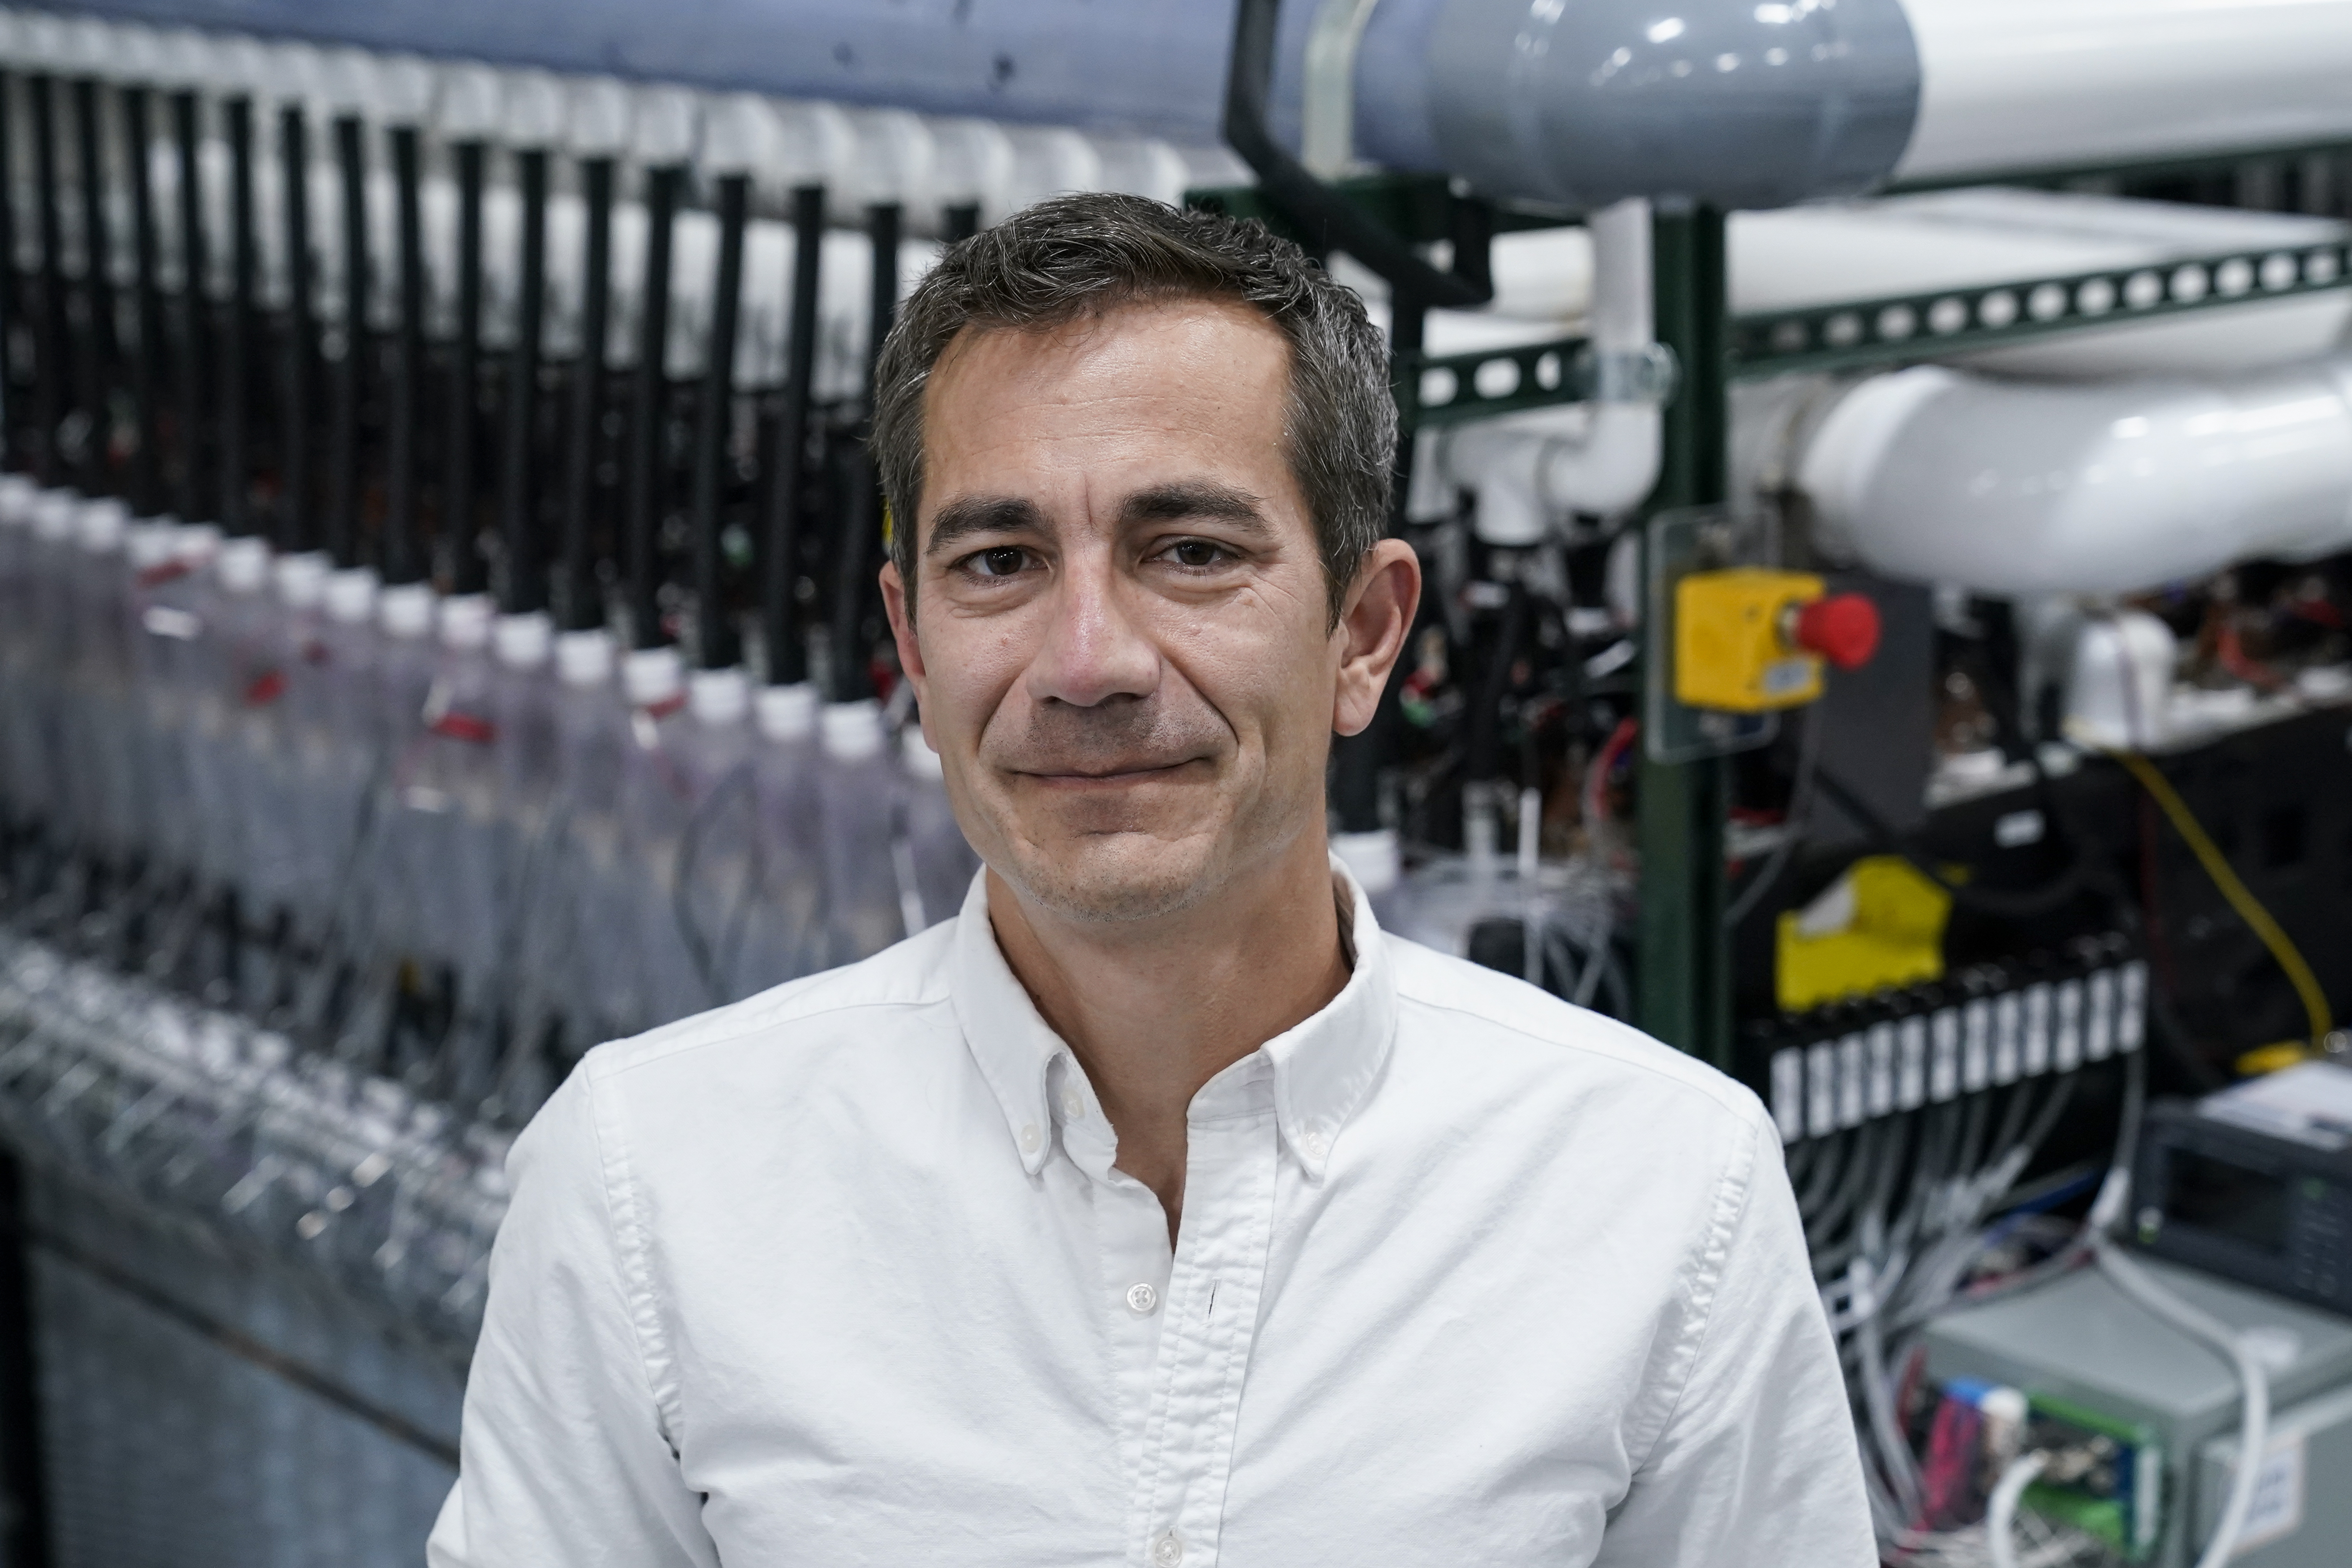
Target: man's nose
{"x": 1094, "y": 649}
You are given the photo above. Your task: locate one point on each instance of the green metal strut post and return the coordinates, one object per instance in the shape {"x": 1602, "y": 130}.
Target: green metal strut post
{"x": 1683, "y": 991}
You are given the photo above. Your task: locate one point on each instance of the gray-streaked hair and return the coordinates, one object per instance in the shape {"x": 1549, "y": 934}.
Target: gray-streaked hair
{"x": 1080, "y": 254}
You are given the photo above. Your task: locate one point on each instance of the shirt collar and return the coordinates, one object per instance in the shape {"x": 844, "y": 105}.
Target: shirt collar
{"x": 1323, "y": 1068}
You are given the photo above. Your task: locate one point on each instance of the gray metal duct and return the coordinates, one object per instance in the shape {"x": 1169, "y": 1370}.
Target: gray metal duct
{"x": 1577, "y": 102}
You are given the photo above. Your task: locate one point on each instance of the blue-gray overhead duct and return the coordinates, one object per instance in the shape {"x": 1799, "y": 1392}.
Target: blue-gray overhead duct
{"x": 1581, "y": 102}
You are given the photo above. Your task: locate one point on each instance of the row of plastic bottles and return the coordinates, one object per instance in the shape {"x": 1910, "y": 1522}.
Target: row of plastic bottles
{"x": 395, "y": 795}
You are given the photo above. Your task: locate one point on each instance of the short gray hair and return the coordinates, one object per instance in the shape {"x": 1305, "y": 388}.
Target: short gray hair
{"x": 1081, "y": 255}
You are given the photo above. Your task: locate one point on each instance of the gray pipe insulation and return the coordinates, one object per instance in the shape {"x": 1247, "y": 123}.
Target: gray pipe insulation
{"x": 1582, "y": 102}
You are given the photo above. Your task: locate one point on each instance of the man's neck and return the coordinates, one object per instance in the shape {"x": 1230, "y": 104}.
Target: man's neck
{"x": 1154, "y": 1009}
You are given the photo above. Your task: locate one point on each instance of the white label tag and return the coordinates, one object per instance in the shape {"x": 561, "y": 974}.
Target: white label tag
{"x": 2037, "y": 1028}
{"x": 2131, "y": 1008}
{"x": 2066, "y": 1036}
{"x": 1880, "y": 1048}
{"x": 1821, "y": 1088}
{"x": 1788, "y": 1092}
{"x": 2008, "y": 1036}
{"x": 1910, "y": 1061}
{"x": 1786, "y": 676}
{"x": 2279, "y": 1486}
{"x": 1976, "y": 1045}
{"x": 1944, "y": 1055}
{"x": 1851, "y": 1083}
{"x": 2099, "y": 1034}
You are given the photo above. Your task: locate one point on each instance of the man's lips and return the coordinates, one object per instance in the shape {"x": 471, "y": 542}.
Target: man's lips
{"x": 1097, "y": 778}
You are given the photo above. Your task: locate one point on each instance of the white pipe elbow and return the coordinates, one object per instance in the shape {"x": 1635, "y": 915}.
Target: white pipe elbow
{"x": 2005, "y": 488}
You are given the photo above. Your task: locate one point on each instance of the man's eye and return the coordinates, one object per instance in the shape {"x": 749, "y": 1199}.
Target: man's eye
{"x": 1195, "y": 553}
{"x": 1005, "y": 561}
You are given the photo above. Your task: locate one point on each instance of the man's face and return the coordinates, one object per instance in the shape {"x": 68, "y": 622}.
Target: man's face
{"x": 1121, "y": 636}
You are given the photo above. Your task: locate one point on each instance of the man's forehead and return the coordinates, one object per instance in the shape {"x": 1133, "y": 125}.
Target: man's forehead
{"x": 1162, "y": 396}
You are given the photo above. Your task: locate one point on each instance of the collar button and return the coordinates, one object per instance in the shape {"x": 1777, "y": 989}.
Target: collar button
{"x": 1030, "y": 1139}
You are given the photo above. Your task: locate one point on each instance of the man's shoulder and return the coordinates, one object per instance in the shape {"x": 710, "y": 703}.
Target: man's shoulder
{"x": 1476, "y": 1007}
{"x": 836, "y": 1005}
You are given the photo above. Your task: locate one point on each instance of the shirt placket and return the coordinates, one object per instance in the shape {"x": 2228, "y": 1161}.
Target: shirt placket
{"x": 1207, "y": 1320}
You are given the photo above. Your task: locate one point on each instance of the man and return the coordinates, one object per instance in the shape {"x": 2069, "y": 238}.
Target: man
{"x": 1157, "y": 1210}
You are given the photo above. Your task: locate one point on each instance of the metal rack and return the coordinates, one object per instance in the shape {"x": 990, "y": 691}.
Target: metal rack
{"x": 1683, "y": 986}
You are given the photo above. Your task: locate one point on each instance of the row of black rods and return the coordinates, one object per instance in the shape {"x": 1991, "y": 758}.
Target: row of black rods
{"x": 189, "y": 386}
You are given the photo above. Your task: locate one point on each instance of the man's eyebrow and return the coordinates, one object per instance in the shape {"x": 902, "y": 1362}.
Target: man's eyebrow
{"x": 1193, "y": 498}
{"x": 968, "y": 515}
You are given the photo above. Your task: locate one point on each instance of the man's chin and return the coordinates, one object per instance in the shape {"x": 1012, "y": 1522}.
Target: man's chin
{"x": 1110, "y": 878}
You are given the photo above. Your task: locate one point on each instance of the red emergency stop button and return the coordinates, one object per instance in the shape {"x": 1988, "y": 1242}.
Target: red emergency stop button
{"x": 1842, "y": 628}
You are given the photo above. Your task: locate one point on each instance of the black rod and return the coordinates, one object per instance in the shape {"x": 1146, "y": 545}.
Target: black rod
{"x": 404, "y": 556}
{"x": 854, "y": 584}
{"x": 958, "y": 222}
{"x": 469, "y": 574}
{"x": 195, "y": 333}
{"x": 51, "y": 389}
{"x": 525, "y": 574}
{"x": 24, "y": 1489}
{"x": 714, "y": 633}
{"x": 9, "y": 423}
{"x": 649, "y": 400}
{"x": 146, "y": 468}
{"x": 779, "y": 608}
{"x": 101, "y": 352}
{"x": 351, "y": 371}
{"x": 297, "y": 522}
{"x": 237, "y": 344}
{"x": 583, "y": 607}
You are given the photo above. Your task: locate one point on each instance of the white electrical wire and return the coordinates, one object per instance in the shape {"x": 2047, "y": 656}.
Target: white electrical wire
{"x": 2001, "y": 1514}
{"x": 2253, "y": 1387}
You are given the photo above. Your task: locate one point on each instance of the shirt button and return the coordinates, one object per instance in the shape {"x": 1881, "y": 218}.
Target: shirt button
{"x": 1315, "y": 1145}
{"x": 1073, "y": 1106}
{"x": 1140, "y": 1299}
{"x": 1030, "y": 1139}
{"x": 1168, "y": 1550}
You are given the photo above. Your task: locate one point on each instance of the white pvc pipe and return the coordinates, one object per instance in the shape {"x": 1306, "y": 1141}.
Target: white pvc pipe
{"x": 1599, "y": 457}
{"x": 2025, "y": 84}
{"x": 1937, "y": 475}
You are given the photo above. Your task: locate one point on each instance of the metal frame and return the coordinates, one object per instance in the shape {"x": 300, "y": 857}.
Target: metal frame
{"x": 1682, "y": 984}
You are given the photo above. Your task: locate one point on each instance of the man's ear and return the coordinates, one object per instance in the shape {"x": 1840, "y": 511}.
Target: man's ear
{"x": 1374, "y": 620}
{"x": 901, "y": 604}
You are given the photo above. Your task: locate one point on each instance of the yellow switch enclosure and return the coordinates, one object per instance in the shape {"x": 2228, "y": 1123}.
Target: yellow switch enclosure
{"x": 1728, "y": 652}
{"x": 1880, "y": 925}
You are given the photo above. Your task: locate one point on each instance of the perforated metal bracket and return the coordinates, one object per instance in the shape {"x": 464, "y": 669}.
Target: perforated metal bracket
{"x": 1449, "y": 389}
{"x": 1933, "y": 325}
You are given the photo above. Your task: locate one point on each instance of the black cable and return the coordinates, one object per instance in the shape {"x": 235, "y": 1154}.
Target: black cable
{"x": 146, "y": 466}
{"x": 298, "y": 521}
{"x": 526, "y": 572}
{"x": 861, "y": 543}
{"x": 10, "y": 448}
{"x": 351, "y": 371}
{"x": 404, "y": 552}
{"x": 581, "y": 605}
{"x": 195, "y": 333}
{"x": 649, "y": 401}
{"x": 468, "y": 572}
{"x": 237, "y": 366}
{"x": 2052, "y": 895}
{"x": 780, "y": 626}
{"x": 52, "y": 392}
{"x": 101, "y": 351}
{"x": 714, "y": 633}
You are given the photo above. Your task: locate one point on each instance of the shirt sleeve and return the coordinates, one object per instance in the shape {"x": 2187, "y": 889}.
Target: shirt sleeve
{"x": 1757, "y": 1464}
{"x": 563, "y": 1462}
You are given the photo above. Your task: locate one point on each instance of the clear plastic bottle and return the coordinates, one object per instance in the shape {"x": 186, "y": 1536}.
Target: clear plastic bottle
{"x": 861, "y": 792}
{"x": 940, "y": 860}
{"x": 657, "y": 804}
{"x": 783, "y": 927}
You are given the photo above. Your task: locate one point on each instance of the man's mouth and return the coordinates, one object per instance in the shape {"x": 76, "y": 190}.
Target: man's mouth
{"x": 1105, "y": 778}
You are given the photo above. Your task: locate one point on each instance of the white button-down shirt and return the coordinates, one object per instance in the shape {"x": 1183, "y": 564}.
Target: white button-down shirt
{"x": 844, "y": 1274}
